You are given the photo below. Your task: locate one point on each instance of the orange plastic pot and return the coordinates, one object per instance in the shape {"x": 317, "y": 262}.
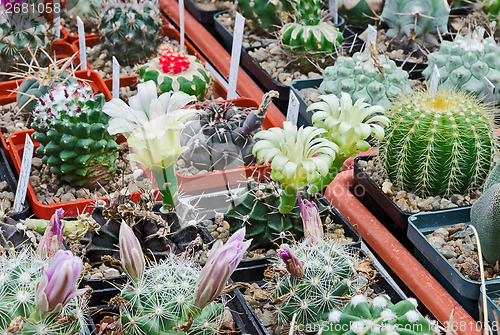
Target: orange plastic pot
{"x": 217, "y": 56}
{"x": 437, "y": 300}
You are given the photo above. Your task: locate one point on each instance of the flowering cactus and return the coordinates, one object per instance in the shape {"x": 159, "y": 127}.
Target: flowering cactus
{"x": 292, "y": 263}
{"x": 131, "y": 254}
{"x": 309, "y": 212}
{"x": 72, "y": 229}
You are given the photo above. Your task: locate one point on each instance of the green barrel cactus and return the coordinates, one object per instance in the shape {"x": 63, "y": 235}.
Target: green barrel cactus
{"x": 176, "y": 71}
{"x": 309, "y": 33}
{"x": 360, "y": 12}
{"x": 362, "y": 79}
{"x": 464, "y": 62}
{"x": 379, "y": 316}
{"x": 438, "y": 143}
{"x": 264, "y": 15}
{"x": 131, "y": 30}
{"x": 72, "y": 129}
{"x": 256, "y": 209}
{"x": 423, "y": 19}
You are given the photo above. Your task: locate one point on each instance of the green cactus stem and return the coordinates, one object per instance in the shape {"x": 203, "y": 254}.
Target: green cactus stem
{"x": 264, "y": 15}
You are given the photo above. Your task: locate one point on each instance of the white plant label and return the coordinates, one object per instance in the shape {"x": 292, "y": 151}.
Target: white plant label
{"x": 57, "y": 20}
{"x": 116, "y": 79}
{"x": 490, "y": 91}
{"x": 239, "y": 25}
{"x": 24, "y": 175}
{"x": 292, "y": 114}
{"x": 434, "y": 81}
{"x": 334, "y": 10}
{"x": 81, "y": 44}
{"x": 371, "y": 37}
{"x": 181, "y": 23}
{"x": 480, "y": 32}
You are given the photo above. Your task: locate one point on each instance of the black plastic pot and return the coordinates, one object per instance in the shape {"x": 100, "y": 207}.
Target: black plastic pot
{"x": 8, "y": 176}
{"x": 492, "y": 295}
{"x": 304, "y": 118}
{"x": 464, "y": 290}
{"x": 205, "y": 17}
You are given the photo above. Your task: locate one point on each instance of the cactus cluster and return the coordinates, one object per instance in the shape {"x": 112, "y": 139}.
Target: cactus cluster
{"x": 71, "y": 127}
{"x": 129, "y": 30}
{"x": 309, "y": 33}
{"x": 438, "y": 143}
{"x": 174, "y": 71}
{"x": 264, "y": 15}
{"x": 423, "y": 19}
{"x": 464, "y": 63}
{"x": 376, "y": 79}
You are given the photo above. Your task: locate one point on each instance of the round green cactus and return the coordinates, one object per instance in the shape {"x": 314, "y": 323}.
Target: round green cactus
{"x": 359, "y": 77}
{"x": 264, "y": 15}
{"x": 176, "y": 71}
{"x": 465, "y": 62}
{"x": 438, "y": 143}
{"x": 360, "y": 12}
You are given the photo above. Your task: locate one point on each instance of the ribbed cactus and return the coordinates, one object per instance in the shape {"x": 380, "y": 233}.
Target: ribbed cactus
{"x": 71, "y": 127}
{"x": 264, "y": 15}
{"x": 309, "y": 33}
{"x": 256, "y": 209}
{"x": 328, "y": 277}
{"x": 416, "y": 19}
{"x": 174, "y": 70}
{"x": 465, "y": 62}
{"x": 131, "y": 31}
{"x": 379, "y": 316}
{"x": 360, "y": 12}
{"x": 438, "y": 143}
{"x": 363, "y": 78}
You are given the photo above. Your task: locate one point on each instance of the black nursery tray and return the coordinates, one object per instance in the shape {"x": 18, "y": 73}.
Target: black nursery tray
{"x": 7, "y": 175}
{"x": 205, "y": 17}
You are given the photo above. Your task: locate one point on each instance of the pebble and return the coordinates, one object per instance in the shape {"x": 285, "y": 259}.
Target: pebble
{"x": 463, "y": 233}
{"x": 436, "y": 241}
{"x": 442, "y": 232}
{"x": 387, "y": 187}
{"x": 448, "y": 252}
{"x": 97, "y": 275}
{"x": 111, "y": 272}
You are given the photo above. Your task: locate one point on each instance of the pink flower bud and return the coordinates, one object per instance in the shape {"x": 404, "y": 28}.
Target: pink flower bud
{"x": 52, "y": 239}
{"x": 309, "y": 213}
{"x": 292, "y": 263}
{"x": 58, "y": 284}
{"x": 131, "y": 254}
{"x": 222, "y": 261}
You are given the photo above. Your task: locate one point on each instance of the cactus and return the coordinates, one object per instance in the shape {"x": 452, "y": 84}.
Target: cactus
{"x": 329, "y": 277}
{"x": 256, "y": 210}
{"x": 176, "y": 71}
{"x": 20, "y": 274}
{"x": 464, "y": 62}
{"x": 88, "y": 11}
{"x": 376, "y": 79}
{"x": 379, "y": 316}
{"x": 360, "y": 12}
{"x": 309, "y": 33}
{"x": 219, "y": 136}
{"x": 129, "y": 30}
{"x": 264, "y": 15}
{"x": 416, "y": 19}
{"x": 71, "y": 127}
{"x": 492, "y": 8}
{"x": 438, "y": 143}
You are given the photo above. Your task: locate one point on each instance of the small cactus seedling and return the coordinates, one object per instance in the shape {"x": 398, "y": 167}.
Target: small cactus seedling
{"x": 438, "y": 143}
{"x": 264, "y": 15}
{"x": 174, "y": 71}
{"x": 71, "y": 127}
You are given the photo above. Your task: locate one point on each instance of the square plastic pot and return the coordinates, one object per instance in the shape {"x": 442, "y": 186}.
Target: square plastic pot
{"x": 304, "y": 118}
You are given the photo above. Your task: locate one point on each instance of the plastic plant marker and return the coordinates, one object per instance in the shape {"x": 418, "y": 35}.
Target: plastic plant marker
{"x": 372, "y": 38}
{"x": 181, "y": 24}
{"x": 490, "y": 89}
{"x": 435, "y": 78}
{"x": 57, "y": 19}
{"x": 239, "y": 24}
{"x": 334, "y": 10}
{"x": 292, "y": 113}
{"x": 24, "y": 174}
{"x": 81, "y": 41}
{"x": 116, "y": 79}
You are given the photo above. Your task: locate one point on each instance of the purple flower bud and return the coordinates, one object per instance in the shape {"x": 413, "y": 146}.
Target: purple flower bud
{"x": 292, "y": 263}
{"x": 131, "y": 254}
{"x": 222, "y": 261}
{"x": 309, "y": 213}
{"x": 58, "y": 284}
{"x": 52, "y": 239}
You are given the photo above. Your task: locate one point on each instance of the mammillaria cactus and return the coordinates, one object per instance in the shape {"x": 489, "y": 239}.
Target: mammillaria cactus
{"x": 264, "y": 15}
{"x": 416, "y": 19}
{"x": 71, "y": 127}
{"x": 376, "y": 79}
{"x": 174, "y": 71}
{"x": 129, "y": 29}
{"x": 309, "y": 33}
{"x": 438, "y": 143}
{"x": 360, "y": 12}
{"x": 465, "y": 62}
{"x": 379, "y": 316}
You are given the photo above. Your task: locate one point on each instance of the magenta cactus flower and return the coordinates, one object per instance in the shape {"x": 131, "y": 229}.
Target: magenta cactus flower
{"x": 131, "y": 254}
{"x": 292, "y": 263}
{"x": 222, "y": 261}
{"x": 52, "y": 239}
{"x": 58, "y": 284}
{"x": 309, "y": 212}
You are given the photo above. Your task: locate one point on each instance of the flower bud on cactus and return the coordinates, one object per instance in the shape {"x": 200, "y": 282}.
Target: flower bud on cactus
{"x": 71, "y": 127}
{"x": 176, "y": 71}
{"x": 264, "y": 15}
{"x": 131, "y": 254}
{"x": 309, "y": 212}
{"x": 438, "y": 143}
{"x": 52, "y": 239}
{"x": 292, "y": 263}
{"x": 362, "y": 79}
{"x": 465, "y": 62}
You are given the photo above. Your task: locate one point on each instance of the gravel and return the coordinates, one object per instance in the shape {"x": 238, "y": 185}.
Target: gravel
{"x": 12, "y": 120}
